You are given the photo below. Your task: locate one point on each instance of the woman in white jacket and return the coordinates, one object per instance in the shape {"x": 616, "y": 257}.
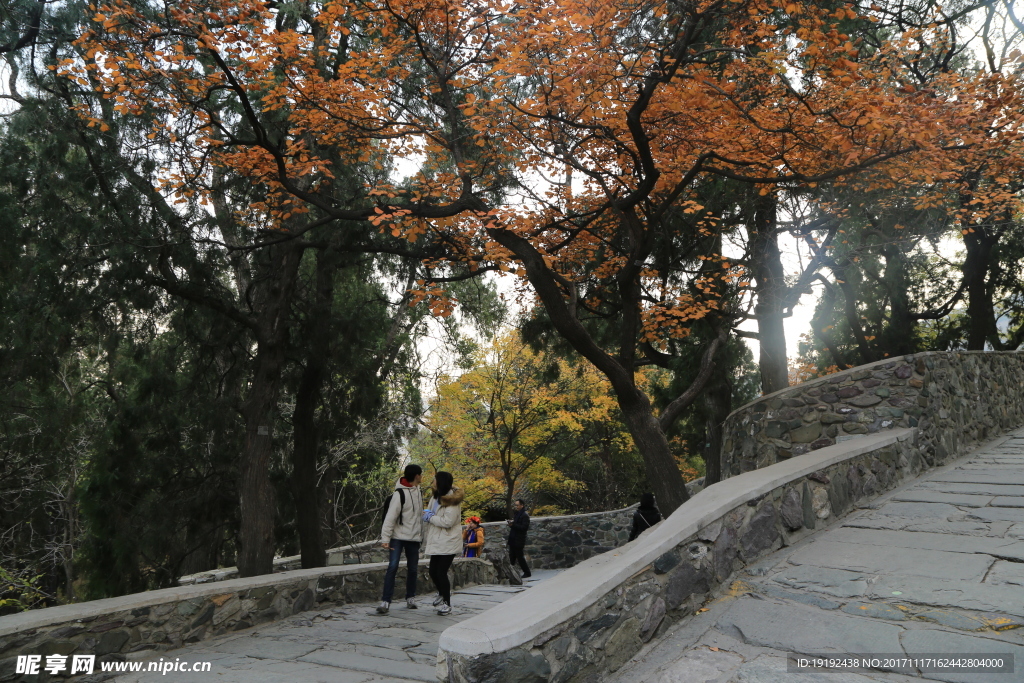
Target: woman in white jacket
{"x": 443, "y": 518}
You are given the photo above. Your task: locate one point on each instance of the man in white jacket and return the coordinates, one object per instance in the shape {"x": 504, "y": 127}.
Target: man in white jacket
{"x": 403, "y": 530}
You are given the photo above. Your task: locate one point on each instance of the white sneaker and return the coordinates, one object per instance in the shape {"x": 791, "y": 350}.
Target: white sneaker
{"x": 438, "y": 600}
{"x": 444, "y": 609}
{"x": 383, "y": 607}
{"x": 411, "y": 604}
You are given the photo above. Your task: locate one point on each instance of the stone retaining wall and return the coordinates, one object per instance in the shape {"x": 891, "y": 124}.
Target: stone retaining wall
{"x": 592, "y": 618}
{"x": 168, "y": 618}
{"x": 955, "y": 399}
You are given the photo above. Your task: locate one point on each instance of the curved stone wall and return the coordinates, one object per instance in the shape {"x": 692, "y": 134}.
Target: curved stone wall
{"x": 361, "y": 553}
{"x": 552, "y": 542}
{"x": 955, "y": 399}
{"x": 168, "y": 618}
{"x": 565, "y": 541}
{"x": 590, "y": 619}
{"x": 858, "y": 433}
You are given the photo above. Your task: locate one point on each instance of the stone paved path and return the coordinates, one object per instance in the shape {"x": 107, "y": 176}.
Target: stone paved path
{"x": 349, "y": 644}
{"x": 934, "y": 567}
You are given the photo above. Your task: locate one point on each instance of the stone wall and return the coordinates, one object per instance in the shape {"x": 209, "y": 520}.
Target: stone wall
{"x": 590, "y": 619}
{"x": 955, "y": 399}
{"x": 361, "y": 553}
{"x": 552, "y": 542}
{"x": 167, "y": 619}
{"x": 565, "y": 541}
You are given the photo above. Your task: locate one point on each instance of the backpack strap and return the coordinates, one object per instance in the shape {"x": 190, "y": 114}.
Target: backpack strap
{"x": 401, "y": 505}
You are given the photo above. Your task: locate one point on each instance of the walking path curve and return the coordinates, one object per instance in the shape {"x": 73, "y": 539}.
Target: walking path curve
{"x": 936, "y": 566}
{"x": 347, "y": 644}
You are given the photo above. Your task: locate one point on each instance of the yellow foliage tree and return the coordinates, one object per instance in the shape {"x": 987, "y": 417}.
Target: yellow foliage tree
{"x": 512, "y": 419}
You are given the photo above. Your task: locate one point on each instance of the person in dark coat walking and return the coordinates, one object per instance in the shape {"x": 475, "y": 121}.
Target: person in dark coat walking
{"x": 645, "y": 516}
{"x": 519, "y": 524}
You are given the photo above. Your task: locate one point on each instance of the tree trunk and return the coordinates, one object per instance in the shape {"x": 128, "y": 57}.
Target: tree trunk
{"x": 256, "y": 493}
{"x": 769, "y": 276}
{"x": 326, "y": 494}
{"x": 305, "y": 432}
{"x": 304, "y": 489}
{"x": 305, "y": 445}
{"x": 663, "y": 476}
{"x": 717, "y": 401}
{"x": 865, "y": 350}
{"x": 902, "y": 324}
{"x": 610, "y": 495}
{"x": 980, "y": 309}
{"x": 508, "y": 499}
{"x": 256, "y": 535}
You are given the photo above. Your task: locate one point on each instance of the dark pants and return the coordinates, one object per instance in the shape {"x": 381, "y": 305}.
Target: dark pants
{"x": 515, "y": 554}
{"x": 439, "y": 566}
{"x": 412, "y": 560}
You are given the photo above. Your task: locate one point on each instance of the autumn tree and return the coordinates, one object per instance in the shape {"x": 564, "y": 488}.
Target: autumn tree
{"x": 514, "y": 419}
{"x": 121, "y": 426}
{"x": 206, "y": 82}
{"x": 625, "y": 118}
{"x": 563, "y": 142}
{"x": 894, "y": 284}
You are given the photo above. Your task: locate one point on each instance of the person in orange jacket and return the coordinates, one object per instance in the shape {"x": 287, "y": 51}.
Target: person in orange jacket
{"x": 473, "y": 538}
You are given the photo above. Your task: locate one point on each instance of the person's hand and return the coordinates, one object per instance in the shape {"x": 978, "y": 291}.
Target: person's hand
{"x": 427, "y": 515}
{"x": 386, "y": 545}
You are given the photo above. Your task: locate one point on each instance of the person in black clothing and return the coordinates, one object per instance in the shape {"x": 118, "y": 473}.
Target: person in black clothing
{"x": 519, "y": 524}
{"x": 645, "y": 516}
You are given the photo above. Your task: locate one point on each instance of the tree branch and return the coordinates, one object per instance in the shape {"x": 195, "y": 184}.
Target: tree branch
{"x": 684, "y": 400}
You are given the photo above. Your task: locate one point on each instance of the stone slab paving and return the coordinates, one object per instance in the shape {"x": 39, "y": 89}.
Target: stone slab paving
{"x": 936, "y": 566}
{"x": 348, "y": 644}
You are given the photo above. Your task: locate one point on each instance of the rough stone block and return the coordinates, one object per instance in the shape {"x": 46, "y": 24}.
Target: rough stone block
{"x": 807, "y": 507}
{"x": 204, "y": 616}
{"x": 806, "y": 434}
{"x": 710, "y": 532}
{"x": 761, "y": 532}
{"x": 655, "y": 615}
{"x": 683, "y": 582}
{"x": 111, "y": 641}
{"x": 588, "y": 630}
{"x": 622, "y": 644}
{"x": 791, "y": 510}
{"x": 820, "y": 503}
{"x": 865, "y": 400}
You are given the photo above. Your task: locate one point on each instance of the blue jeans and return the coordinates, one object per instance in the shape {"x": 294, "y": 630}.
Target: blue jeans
{"x": 412, "y": 558}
